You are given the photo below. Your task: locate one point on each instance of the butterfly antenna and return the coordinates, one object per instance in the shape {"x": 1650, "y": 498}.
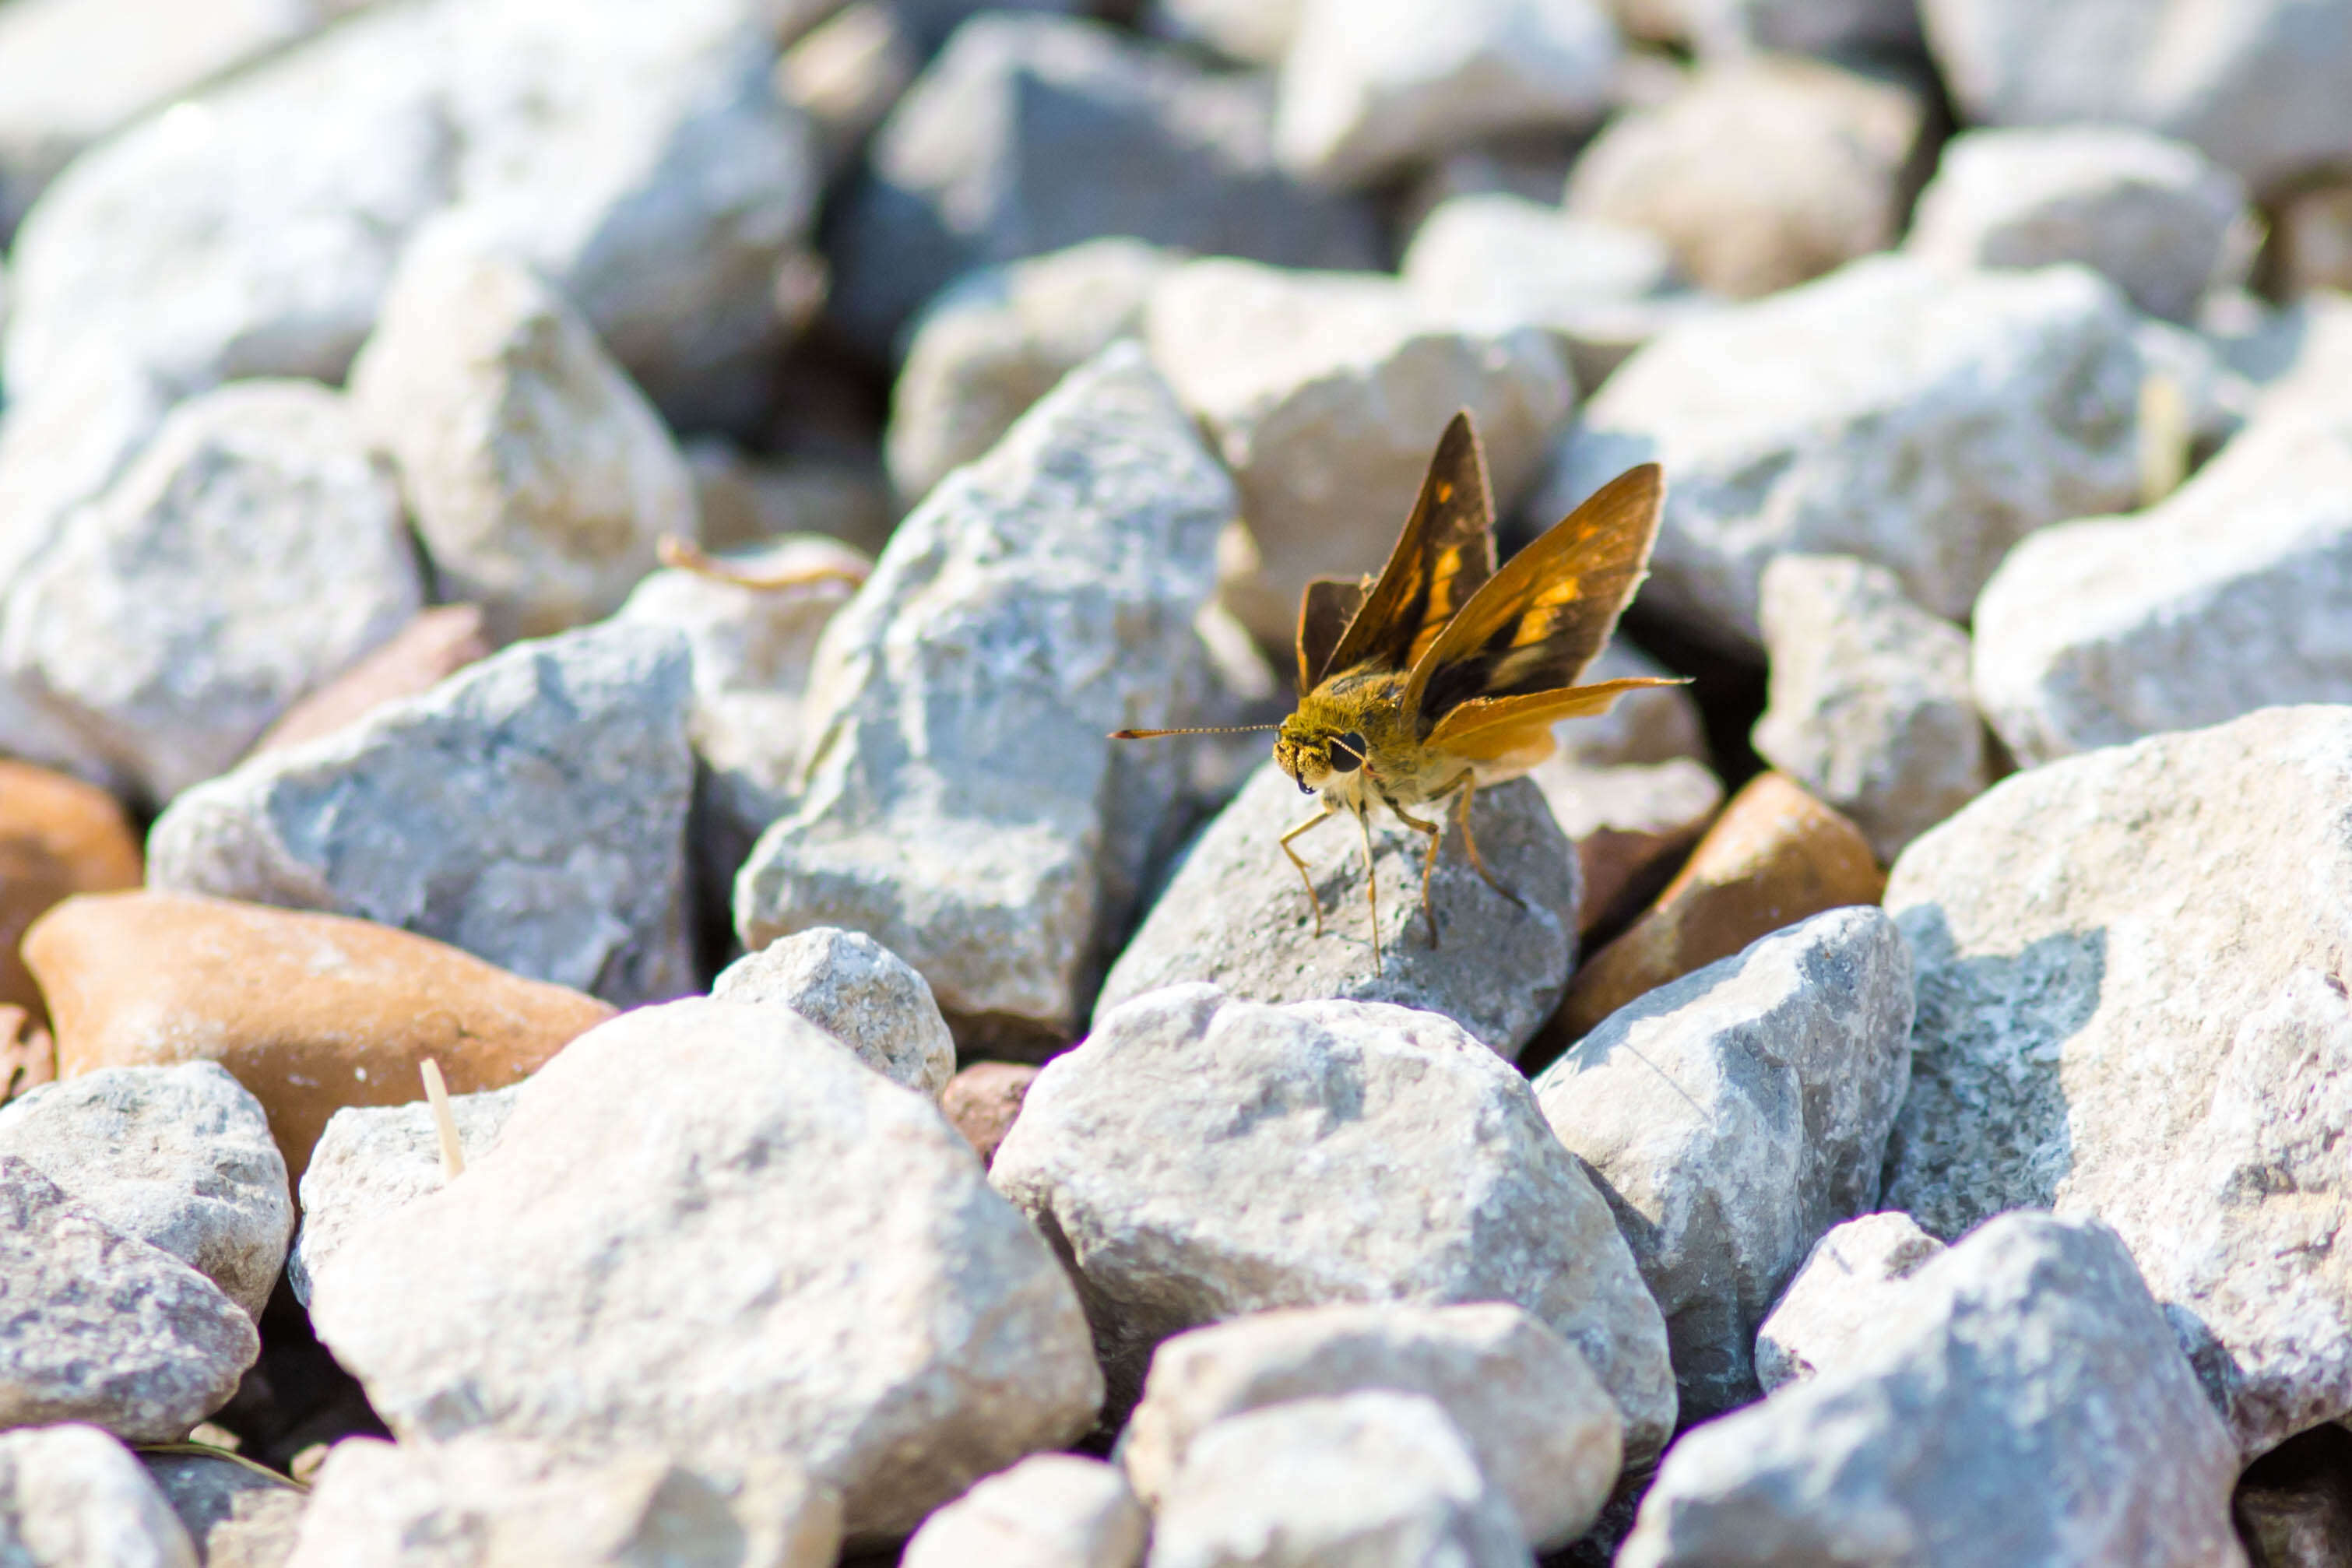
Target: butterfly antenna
{"x": 1225, "y": 729}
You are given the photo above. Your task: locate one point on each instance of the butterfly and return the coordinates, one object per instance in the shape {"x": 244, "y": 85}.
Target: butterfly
{"x": 1445, "y": 673}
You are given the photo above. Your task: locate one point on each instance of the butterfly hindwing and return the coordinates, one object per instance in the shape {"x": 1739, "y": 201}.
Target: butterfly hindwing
{"x": 1324, "y": 611}
{"x": 1444, "y": 555}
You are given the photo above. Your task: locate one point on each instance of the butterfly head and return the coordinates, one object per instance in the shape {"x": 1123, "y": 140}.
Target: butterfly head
{"x": 1314, "y": 756}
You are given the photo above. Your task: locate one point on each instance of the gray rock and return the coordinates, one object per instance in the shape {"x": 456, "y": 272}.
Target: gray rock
{"x": 811, "y": 1204}
{"x": 2025, "y": 1408}
{"x": 642, "y": 162}
{"x": 1760, "y": 173}
{"x": 1734, "y": 1115}
{"x": 1870, "y": 706}
{"x": 1835, "y": 28}
{"x": 1376, "y": 1479}
{"x": 72, "y": 1497}
{"x": 103, "y": 1327}
{"x": 2231, "y": 594}
{"x": 1917, "y": 420}
{"x": 1500, "y": 261}
{"x": 1848, "y": 1285}
{"x": 373, "y": 1159}
{"x": 857, "y": 991}
{"x": 1324, "y": 394}
{"x": 2313, "y": 230}
{"x": 1050, "y": 1511}
{"x": 1029, "y": 135}
{"x": 541, "y": 479}
{"x": 963, "y": 805}
{"x": 995, "y": 342}
{"x": 1542, "y": 1429}
{"x": 1252, "y": 32}
{"x": 1381, "y": 1155}
{"x": 250, "y": 553}
{"x": 530, "y": 809}
{"x": 2257, "y": 84}
{"x": 845, "y": 72}
{"x": 1236, "y": 914}
{"x": 491, "y": 1503}
{"x": 1370, "y": 88}
{"x": 2157, "y": 218}
{"x": 237, "y": 1514}
{"x": 180, "y": 1157}
{"x": 2130, "y": 1008}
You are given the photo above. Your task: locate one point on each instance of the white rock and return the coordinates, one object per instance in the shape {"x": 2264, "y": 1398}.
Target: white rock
{"x": 237, "y": 1514}
{"x": 72, "y": 1497}
{"x": 65, "y": 445}
{"x": 1760, "y": 173}
{"x": 1502, "y": 261}
{"x": 530, "y": 809}
{"x": 180, "y": 1157}
{"x": 1848, "y": 1285}
{"x": 2257, "y": 84}
{"x": 1733, "y": 1116}
{"x": 963, "y": 805}
{"x": 691, "y": 1211}
{"x": 250, "y": 553}
{"x": 2024, "y": 1407}
{"x": 845, "y": 72}
{"x": 491, "y": 1503}
{"x": 2154, "y": 215}
{"x": 1253, "y": 32}
{"x": 857, "y": 991}
{"x": 1870, "y": 706}
{"x": 103, "y": 1327}
{"x": 1543, "y": 1430}
{"x": 1198, "y": 1158}
{"x": 1050, "y": 1511}
{"x": 373, "y": 1159}
{"x": 1887, "y": 411}
{"x": 1370, "y": 1480}
{"x": 1370, "y": 87}
{"x": 995, "y": 342}
{"x": 1325, "y": 394}
{"x": 2129, "y": 1006}
{"x": 2233, "y": 593}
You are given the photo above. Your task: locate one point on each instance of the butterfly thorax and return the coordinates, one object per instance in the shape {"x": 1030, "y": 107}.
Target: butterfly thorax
{"x": 1351, "y": 737}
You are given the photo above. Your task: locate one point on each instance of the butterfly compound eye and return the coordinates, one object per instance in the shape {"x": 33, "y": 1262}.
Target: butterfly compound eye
{"x": 1347, "y": 752}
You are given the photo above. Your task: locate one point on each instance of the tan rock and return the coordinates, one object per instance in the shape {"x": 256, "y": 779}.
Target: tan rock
{"x": 28, "y": 1057}
{"x": 1773, "y": 857}
{"x": 1630, "y": 825}
{"x": 58, "y": 836}
{"x": 436, "y": 645}
{"x": 983, "y": 1099}
{"x": 310, "y": 1011}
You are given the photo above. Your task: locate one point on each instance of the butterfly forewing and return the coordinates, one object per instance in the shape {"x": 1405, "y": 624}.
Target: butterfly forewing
{"x": 1444, "y": 555}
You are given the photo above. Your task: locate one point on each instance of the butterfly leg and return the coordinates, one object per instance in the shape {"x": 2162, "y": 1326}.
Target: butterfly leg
{"x": 1434, "y": 832}
{"x": 1468, "y": 787}
{"x": 1372, "y": 878}
{"x": 1305, "y": 881}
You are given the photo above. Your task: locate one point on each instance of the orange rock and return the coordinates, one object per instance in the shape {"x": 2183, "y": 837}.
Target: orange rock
{"x": 430, "y": 649}
{"x": 1632, "y": 826}
{"x": 310, "y": 1012}
{"x": 58, "y": 836}
{"x": 1773, "y": 857}
{"x": 982, "y": 1101}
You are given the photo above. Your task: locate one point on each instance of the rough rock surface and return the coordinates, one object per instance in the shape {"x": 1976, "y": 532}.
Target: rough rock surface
{"x": 857, "y": 991}
{"x": 103, "y": 1327}
{"x": 2129, "y": 1006}
{"x": 983, "y": 1100}
{"x": 2023, "y": 1407}
{"x": 2233, "y": 593}
{"x": 238, "y": 1515}
{"x": 1323, "y": 392}
{"x": 58, "y": 836}
{"x": 1543, "y": 1430}
{"x": 2154, "y": 215}
{"x": 517, "y": 1505}
{"x": 1291, "y": 1156}
{"x": 1848, "y": 1284}
{"x": 1732, "y": 1117}
{"x": 72, "y": 1497}
{"x": 530, "y": 810}
{"x": 250, "y": 552}
{"x": 540, "y": 476}
{"x": 436, "y": 644}
{"x": 1375, "y": 1477}
{"x": 1050, "y": 1511}
{"x": 1870, "y": 706}
{"x": 1029, "y": 135}
{"x": 178, "y": 1157}
{"x": 812, "y": 1203}
{"x": 963, "y": 805}
{"x": 1236, "y": 914}
{"x": 1887, "y": 411}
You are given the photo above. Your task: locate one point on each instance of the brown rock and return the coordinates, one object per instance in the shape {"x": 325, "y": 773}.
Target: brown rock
{"x": 310, "y": 1011}
{"x": 58, "y": 836}
{"x": 430, "y": 649}
{"x": 1632, "y": 826}
{"x": 28, "y": 1057}
{"x": 982, "y": 1101}
{"x": 1775, "y": 857}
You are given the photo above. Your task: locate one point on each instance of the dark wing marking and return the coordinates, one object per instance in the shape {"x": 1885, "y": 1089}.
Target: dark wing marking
{"x": 1324, "y": 611}
{"x": 1540, "y": 620}
{"x": 1442, "y": 557}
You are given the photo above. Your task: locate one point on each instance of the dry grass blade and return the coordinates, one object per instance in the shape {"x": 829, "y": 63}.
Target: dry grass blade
{"x": 436, "y": 1094}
